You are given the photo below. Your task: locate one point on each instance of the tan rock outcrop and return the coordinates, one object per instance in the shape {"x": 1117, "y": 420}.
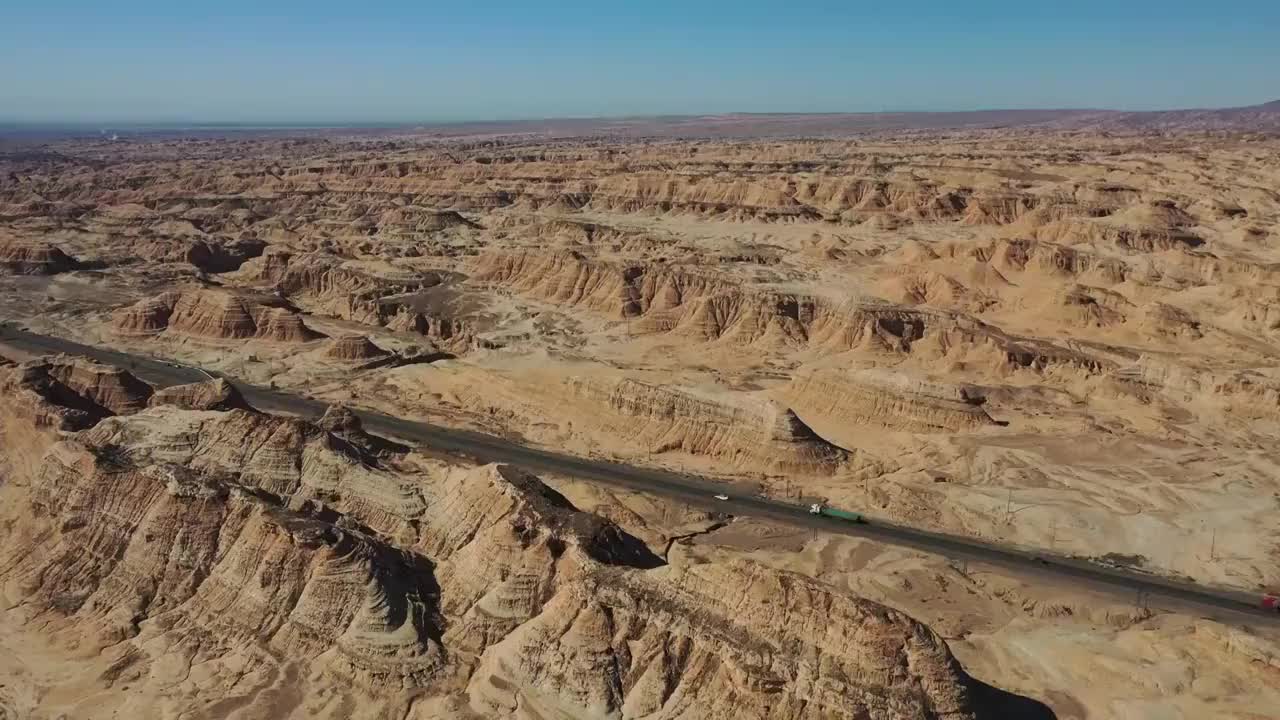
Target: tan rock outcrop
{"x": 743, "y": 431}
{"x": 109, "y": 387}
{"x": 1245, "y": 394}
{"x": 213, "y": 314}
{"x": 277, "y": 324}
{"x": 572, "y": 279}
{"x": 216, "y": 314}
{"x": 747, "y": 190}
{"x": 572, "y": 233}
{"x": 354, "y": 348}
{"x": 182, "y": 548}
{"x": 1165, "y": 320}
{"x": 209, "y": 395}
{"x": 341, "y": 422}
{"x": 1133, "y": 239}
{"x": 322, "y": 278}
{"x": 997, "y": 209}
{"x": 325, "y": 286}
{"x": 858, "y": 198}
{"x": 147, "y": 316}
{"x": 646, "y": 645}
{"x": 207, "y": 254}
{"x": 921, "y": 287}
{"x": 1083, "y": 306}
{"x": 27, "y": 257}
{"x": 887, "y": 399}
{"x": 36, "y": 397}
{"x": 737, "y": 197}
{"x": 71, "y": 393}
{"x": 1019, "y": 256}
{"x": 412, "y": 219}
{"x": 1262, "y": 317}
{"x": 705, "y": 308}
{"x": 286, "y": 564}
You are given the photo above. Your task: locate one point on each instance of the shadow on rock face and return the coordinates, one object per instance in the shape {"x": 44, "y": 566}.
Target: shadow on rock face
{"x": 993, "y": 702}
{"x": 602, "y": 540}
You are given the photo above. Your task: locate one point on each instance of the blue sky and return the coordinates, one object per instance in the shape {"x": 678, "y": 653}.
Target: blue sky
{"x": 323, "y": 61}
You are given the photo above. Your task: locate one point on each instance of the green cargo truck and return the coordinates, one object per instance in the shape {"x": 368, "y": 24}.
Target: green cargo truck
{"x": 817, "y": 509}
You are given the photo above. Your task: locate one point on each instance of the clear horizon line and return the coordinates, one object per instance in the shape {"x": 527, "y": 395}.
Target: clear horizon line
{"x": 299, "y": 123}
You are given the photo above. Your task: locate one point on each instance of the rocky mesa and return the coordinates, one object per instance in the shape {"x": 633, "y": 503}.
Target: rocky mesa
{"x": 216, "y": 315}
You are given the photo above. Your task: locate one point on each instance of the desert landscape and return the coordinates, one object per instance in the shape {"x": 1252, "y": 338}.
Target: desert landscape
{"x": 1053, "y": 331}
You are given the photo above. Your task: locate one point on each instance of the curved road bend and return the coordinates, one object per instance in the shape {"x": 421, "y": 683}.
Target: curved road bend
{"x": 1218, "y": 603}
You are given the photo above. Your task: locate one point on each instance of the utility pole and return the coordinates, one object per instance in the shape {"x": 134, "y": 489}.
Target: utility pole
{"x": 1213, "y": 544}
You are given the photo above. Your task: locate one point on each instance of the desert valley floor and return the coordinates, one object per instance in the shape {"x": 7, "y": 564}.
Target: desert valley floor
{"x": 1047, "y": 338}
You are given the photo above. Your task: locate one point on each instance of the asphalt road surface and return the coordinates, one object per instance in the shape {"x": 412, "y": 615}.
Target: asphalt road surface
{"x": 1222, "y": 604}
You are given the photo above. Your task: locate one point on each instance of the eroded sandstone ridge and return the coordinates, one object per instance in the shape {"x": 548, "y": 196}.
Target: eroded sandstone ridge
{"x": 226, "y": 559}
{"x": 216, "y": 315}
{"x": 888, "y": 400}
{"x": 211, "y": 395}
{"x": 759, "y": 434}
{"x": 354, "y": 348}
{"x": 71, "y": 393}
{"x": 33, "y": 258}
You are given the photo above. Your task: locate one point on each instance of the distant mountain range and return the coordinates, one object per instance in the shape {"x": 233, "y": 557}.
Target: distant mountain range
{"x": 1264, "y": 117}
{"x": 1254, "y": 118}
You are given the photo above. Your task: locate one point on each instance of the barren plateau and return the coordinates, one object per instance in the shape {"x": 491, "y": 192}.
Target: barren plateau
{"x": 1060, "y": 335}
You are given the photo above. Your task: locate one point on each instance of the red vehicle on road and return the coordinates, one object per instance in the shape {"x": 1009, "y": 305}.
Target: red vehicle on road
{"x": 1271, "y": 602}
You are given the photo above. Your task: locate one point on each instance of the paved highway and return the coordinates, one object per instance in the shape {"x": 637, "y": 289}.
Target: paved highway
{"x": 1219, "y": 603}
